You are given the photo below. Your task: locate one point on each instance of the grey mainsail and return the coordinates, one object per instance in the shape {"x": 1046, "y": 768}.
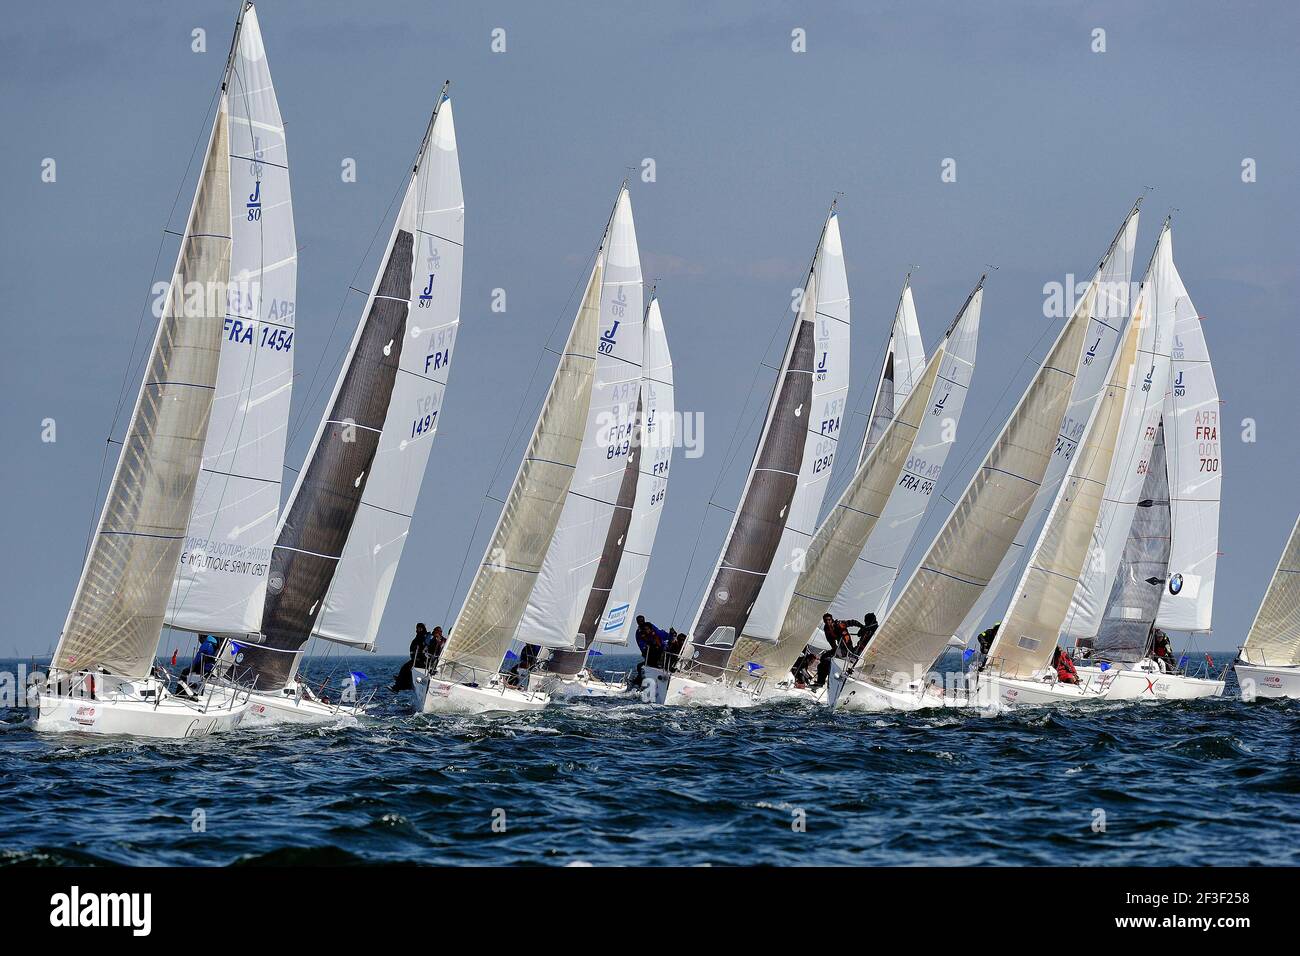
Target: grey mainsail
{"x": 1139, "y": 582}
{"x": 325, "y": 502}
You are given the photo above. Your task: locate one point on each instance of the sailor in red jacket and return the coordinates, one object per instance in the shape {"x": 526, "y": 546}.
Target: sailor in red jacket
{"x": 1065, "y": 672}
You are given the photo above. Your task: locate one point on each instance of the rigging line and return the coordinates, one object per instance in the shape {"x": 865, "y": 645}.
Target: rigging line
{"x": 514, "y": 425}
{"x": 144, "y": 310}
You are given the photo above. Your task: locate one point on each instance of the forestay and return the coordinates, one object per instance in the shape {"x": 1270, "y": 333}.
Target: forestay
{"x": 117, "y": 612}
{"x": 553, "y": 616}
{"x": 221, "y": 578}
{"x": 1191, "y": 417}
{"x": 1111, "y": 310}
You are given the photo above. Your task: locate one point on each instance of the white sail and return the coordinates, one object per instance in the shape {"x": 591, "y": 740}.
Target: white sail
{"x": 961, "y": 561}
{"x": 868, "y": 586}
{"x": 655, "y": 457}
{"x": 553, "y": 615}
{"x": 1274, "y": 636}
{"x": 1028, "y": 634}
{"x": 495, "y": 602}
{"x": 1111, "y": 283}
{"x": 354, "y": 604}
{"x": 118, "y": 609}
{"x": 1193, "y": 449}
{"x": 829, "y": 287}
{"x": 850, "y": 526}
{"x": 221, "y": 578}
{"x": 903, "y": 365}
{"x": 1144, "y": 403}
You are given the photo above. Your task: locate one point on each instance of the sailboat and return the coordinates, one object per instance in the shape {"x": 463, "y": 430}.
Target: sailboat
{"x": 574, "y": 430}
{"x": 893, "y": 483}
{"x": 629, "y": 541}
{"x": 102, "y": 677}
{"x": 347, "y": 519}
{"x": 1268, "y": 663}
{"x": 965, "y": 555}
{"x": 762, "y": 555}
{"x": 1168, "y": 529}
{"x": 1017, "y": 671}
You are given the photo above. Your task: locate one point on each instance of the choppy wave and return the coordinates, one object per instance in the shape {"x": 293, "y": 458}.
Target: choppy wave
{"x": 620, "y": 782}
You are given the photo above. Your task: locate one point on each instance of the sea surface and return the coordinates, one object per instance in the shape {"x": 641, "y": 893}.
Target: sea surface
{"x": 617, "y": 782}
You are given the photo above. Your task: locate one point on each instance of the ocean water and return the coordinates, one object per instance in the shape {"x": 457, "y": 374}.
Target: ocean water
{"x": 624, "y": 783}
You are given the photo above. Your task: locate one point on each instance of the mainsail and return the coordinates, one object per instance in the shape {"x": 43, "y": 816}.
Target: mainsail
{"x": 358, "y": 593}
{"x": 1274, "y": 636}
{"x": 1132, "y": 460}
{"x": 893, "y": 466}
{"x": 787, "y": 478}
{"x": 961, "y": 561}
{"x": 1193, "y": 446}
{"x": 118, "y": 609}
{"x": 220, "y": 583}
{"x": 1028, "y": 634}
{"x": 902, "y": 368}
{"x": 370, "y": 448}
{"x": 499, "y": 592}
{"x": 554, "y": 615}
{"x": 1110, "y": 311}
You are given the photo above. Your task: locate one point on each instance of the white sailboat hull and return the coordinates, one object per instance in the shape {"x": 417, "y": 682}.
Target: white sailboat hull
{"x": 654, "y": 685}
{"x": 1145, "y": 681}
{"x": 433, "y": 695}
{"x": 120, "y": 708}
{"x": 1260, "y": 681}
{"x": 265, "y": 708}
{"x": 786, "y": 691}
{"x": 685, "y": 691}
{"x": 579, "y": 685}
{"x": 1021, "y": 692}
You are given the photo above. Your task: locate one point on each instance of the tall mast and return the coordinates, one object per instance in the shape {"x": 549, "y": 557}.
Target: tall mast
{"x": 234, "y": 43}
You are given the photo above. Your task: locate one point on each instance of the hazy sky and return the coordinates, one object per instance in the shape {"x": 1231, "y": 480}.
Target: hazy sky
{"x": 750, "y": 140}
